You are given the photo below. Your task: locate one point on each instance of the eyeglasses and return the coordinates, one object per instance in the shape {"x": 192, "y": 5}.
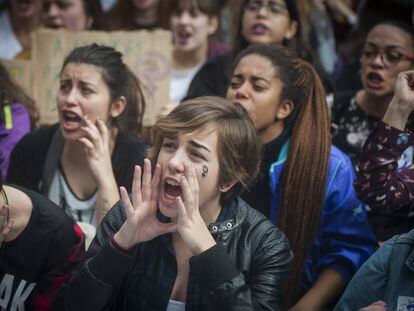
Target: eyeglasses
{"x": 389, "y": 56}
{"x": 273, "y": 7}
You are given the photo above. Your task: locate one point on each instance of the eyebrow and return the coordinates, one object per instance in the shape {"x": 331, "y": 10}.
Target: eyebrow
{"x": 198, "y": 145}
{"x": 254, "y": 78}
{"x": 257, "y": 78}
{"x": 387, "y": 46}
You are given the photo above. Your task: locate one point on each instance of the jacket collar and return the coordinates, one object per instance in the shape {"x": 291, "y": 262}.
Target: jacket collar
{"x": 230, "y": 217}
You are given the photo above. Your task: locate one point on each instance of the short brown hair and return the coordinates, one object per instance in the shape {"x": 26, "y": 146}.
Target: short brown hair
{"x": 238, "y": 148}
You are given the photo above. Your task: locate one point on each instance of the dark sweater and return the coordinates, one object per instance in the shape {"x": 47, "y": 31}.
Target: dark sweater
{"x": 28, "y": 158}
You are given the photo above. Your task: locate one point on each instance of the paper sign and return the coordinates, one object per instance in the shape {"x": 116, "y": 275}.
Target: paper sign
{"x": 147, "y": 53}
{"x": 20, "y": 71}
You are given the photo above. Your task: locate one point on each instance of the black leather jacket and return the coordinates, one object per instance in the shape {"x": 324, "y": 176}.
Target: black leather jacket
{"x": 245, "y": 270}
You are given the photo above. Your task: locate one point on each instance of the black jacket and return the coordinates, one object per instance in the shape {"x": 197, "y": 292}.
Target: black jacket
{"x": 245, "y": 270}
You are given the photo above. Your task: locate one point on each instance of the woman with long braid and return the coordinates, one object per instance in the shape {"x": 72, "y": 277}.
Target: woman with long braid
{"x": 305, "y": 185}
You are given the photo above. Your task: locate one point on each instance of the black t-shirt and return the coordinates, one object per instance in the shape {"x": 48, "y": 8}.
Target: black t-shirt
{"x": 258, "y": 195}
{"x": 34, "y": 265}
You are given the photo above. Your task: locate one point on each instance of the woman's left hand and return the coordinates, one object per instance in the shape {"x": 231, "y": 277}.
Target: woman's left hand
{"x": 96, "y": 146}
{"x": 190, "y": 224}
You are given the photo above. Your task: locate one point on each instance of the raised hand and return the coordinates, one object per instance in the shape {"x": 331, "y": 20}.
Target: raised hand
{"x": 402, "y": 103}
{"x": 190, "y": 224}
{"x": 6, "y": 224}
{"x": 142, "y": 223}
{"x": 404, "y": 90}
{"x": 97, "y": 150}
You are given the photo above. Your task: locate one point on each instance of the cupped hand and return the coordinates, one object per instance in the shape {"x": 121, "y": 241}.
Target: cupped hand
{"x": 97, "y": 149}
{"x": 190, "y": 224}
{"x": 6, "y": 224}
{"x": 142, "y": 223}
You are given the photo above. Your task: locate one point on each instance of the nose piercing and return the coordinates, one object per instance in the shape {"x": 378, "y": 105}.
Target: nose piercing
{"x": 205, "y": 171}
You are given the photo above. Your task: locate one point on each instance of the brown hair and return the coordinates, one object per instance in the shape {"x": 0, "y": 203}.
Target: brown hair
{"x": 11, "y": 92}
{"x": 207, "y": 7}
{"x": 238, "y": 146}
{"x": 119, "y": 79}
{"x": 240, "y": 43}
{"x": 302, "y": 198}
{"x": 121, "y": 16}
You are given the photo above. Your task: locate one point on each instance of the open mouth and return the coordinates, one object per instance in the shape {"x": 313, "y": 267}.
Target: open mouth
{"x": 374, "y": 80}
{"x": 259, "y": 29}
{"x": 183, "y": 35}
{"x": 69, "y": 116}
{"x": 71, "y": 120}
{"x": 172, "y": 189}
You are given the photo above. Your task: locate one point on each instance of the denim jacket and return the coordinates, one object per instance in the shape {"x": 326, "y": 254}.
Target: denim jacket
{"x": 344, "y": 240}
{"x": 388, "y": 276}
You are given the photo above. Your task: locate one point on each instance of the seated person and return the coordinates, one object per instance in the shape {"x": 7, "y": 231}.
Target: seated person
{"x": 381, "y": 183}
{"x": 79, "y": 162}
{"x": 386, "y": 280}
{"x": 39, "y": 247}
{"x": 68, "y": 14}
{"x": 18, "y": 116}
{"x": 305, "y": 184}
{"x": 387, "y": 51}
{"x": 17, "y": 21}
{"x": 192, "y": 23}
{"x": 186, "y": 241}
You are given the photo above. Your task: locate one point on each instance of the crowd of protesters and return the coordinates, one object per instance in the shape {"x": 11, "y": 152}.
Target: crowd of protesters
{"x": 277, "y": 176}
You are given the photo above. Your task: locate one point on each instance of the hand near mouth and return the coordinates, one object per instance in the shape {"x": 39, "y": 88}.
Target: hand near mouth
{"x": 190, "y": 224}
{"x": 98, "y": 155}
{"x": 5, "y": 224}
{"x": 402, "y": 103}
{"x": 142, "y": 223}
{"x": 96, "y": 146}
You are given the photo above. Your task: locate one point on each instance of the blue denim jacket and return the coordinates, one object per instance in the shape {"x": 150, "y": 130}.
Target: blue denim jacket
{"x": 388, "y": 276}
{"x": 344, "y": 240}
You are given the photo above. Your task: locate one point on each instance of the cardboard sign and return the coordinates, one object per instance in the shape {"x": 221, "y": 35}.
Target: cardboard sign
{"x": 20, "y": 71}
{"x": 147, "y": 53}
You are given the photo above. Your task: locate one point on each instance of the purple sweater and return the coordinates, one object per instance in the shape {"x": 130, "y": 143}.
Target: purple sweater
{"x": 14, "y": 125}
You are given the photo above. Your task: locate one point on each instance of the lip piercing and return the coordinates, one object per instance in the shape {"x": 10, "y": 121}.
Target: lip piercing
{"x": 205, "y": 171}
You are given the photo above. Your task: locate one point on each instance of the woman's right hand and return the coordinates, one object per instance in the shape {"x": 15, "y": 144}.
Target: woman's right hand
{"x": 402, "y": 103}
{"x": 404, "y": 90}
{"x": 142, "y": 223}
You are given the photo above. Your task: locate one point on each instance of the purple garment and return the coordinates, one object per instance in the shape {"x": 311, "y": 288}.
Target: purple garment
{"x": 384, "y": 187}
{"x": 10, "y": 137}
{"x": 216, "y": 48}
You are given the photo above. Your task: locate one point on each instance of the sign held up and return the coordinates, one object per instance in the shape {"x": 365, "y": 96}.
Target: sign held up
{"x": 147, "y": 53}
